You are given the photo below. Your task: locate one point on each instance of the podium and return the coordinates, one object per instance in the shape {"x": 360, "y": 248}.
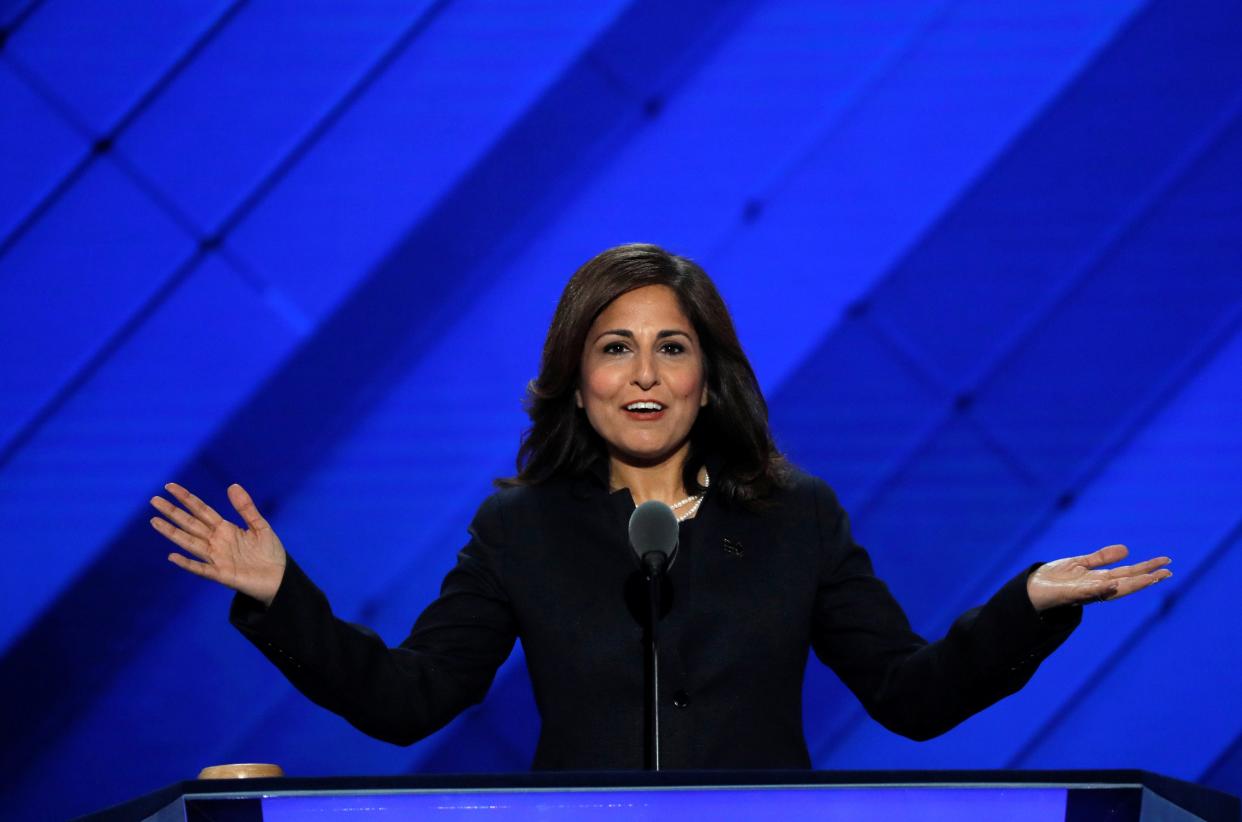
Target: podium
{"x": 858, "y": 796}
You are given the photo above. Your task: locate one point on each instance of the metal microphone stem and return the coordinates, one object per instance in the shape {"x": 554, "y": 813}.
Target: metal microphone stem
{"x": 653, "y": 659}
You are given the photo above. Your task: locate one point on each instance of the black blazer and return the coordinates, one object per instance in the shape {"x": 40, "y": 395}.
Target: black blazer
{"x": 751, "y": 594}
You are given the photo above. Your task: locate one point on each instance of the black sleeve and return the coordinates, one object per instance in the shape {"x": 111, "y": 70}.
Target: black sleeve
{"x": 400, "y": 694}
{"x": 912, "y": 687}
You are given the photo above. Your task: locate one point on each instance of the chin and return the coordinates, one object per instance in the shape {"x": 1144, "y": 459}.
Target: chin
{"x": 645, "y": 456}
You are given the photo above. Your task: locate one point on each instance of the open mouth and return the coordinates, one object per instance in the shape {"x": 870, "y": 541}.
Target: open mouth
{"x": 645, "y": 410}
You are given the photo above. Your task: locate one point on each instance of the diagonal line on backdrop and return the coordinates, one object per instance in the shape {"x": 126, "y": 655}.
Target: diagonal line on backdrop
{"x": 1128, "y": 222}
{"x": 853, "y": 100}
{"x": 21, "y": 16}
{"x": 101, "y": 354}
{"x": 74, "y": 383}
{"x": 916, "y": 363}
{"x": 1231, "y": 752}
{"x": 148, "y": 96}
{"x": 332, "y": 116}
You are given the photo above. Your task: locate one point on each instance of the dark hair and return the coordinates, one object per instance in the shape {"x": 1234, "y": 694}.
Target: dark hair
{"x": 732, "y": 429}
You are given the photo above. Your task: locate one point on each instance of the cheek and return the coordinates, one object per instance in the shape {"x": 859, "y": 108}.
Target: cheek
{"x": 691, "y": 387}
{"x": 597, "y": 388}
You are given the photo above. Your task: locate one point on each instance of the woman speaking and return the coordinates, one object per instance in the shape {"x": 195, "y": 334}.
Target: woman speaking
{"x": 644, "y": 393}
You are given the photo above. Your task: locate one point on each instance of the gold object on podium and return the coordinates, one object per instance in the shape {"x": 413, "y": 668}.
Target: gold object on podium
{"x": 246, "y": 770}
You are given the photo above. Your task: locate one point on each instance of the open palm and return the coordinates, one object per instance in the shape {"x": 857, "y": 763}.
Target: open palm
{"x": 1083, "y": 579}
{"x": 251, "y": 561}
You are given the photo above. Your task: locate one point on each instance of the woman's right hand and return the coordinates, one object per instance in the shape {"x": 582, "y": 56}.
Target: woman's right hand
{"x": 250, "y": 561}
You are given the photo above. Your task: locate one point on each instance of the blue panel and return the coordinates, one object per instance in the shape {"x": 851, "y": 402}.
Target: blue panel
{"x": 253, "y": 93}
{"x": 720, "y": 136}
{"x": 852, "y": 411}
{"x": 74, "y": 280}
{"x": 411, "y": 136}
{"x": 101, "y": 58}
{"x": 911, "y": 132}
{"x": 114, "y": 441}
{"x": 33, "y": 156}
{"x": 1175, "y": 490}
{"x": 977, "y": 804}
{"x": 1130, "y": 325}
{"x": 948, "y": 510}
{"x": 1070, "y": 180}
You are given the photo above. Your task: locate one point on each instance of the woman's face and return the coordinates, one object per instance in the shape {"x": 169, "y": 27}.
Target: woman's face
{"x": 642, "y": 376}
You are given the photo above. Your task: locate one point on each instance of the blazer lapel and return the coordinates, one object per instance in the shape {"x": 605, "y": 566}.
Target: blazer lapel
{"x": 721, "y": 539}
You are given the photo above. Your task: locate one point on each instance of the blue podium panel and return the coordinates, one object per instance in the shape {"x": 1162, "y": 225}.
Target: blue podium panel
{"x": 1015, "y": 796}
{"x": 723, "y": 805}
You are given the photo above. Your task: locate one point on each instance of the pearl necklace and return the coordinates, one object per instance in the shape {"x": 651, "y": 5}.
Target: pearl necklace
{"x": 697, "y": 499}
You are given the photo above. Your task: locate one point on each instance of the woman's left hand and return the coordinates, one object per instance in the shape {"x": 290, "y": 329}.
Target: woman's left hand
{"x": 1080, "y": 580}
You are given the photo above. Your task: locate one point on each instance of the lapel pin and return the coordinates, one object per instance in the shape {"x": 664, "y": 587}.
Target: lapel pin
{"x": 733, "y": 546}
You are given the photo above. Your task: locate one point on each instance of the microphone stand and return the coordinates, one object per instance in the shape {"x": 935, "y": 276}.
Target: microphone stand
{"x": 652, "y": 758}
{"x": 653, "y": 562}
{"x": 653, "y": 536}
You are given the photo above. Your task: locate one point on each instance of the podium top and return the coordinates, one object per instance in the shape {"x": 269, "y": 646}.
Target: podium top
{"x": 1017, "y": 795}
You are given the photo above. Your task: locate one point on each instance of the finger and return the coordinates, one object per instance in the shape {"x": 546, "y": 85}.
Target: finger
{"x": 175, "y": 535}
{"x": 195, "y": 505}
{"x": 202, "y": 569}
{"x": 1122, "y": 571}
{"x": 245, "y": 506}
{"x": 1105, "y": 556}
{"x": 180, "y": 517}
{"x": 1129, "y": 586}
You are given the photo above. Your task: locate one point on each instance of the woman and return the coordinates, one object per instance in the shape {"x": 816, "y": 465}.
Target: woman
{"x": 644, "y": 393}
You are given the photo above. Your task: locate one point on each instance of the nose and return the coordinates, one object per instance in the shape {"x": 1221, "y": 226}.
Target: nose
{"x": 646, "y": 374}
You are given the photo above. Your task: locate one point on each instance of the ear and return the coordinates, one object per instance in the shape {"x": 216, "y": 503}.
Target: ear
{"x": 703, "y": 400}
{"x": 578, "y": 396}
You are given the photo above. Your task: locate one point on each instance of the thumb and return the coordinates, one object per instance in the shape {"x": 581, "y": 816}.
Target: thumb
{"x": 1106, "y": 556}
{"x": 245, "y": 506}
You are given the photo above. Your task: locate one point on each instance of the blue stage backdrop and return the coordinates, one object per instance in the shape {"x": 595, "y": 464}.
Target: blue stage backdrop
{"x": 986, "y": 257}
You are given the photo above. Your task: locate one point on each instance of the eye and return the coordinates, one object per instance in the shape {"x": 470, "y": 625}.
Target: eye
{"x": 673, "y": 348}
{"x": 614, "y": 348}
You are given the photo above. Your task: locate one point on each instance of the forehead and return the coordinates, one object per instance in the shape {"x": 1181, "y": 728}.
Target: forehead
{"x": 651, "y": 305}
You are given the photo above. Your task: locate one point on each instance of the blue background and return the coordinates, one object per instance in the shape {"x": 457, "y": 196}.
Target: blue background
{"x": 986, "y": 258}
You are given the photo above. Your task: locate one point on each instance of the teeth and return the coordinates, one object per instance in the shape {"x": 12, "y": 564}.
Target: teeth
{"x": 644, "y": 406}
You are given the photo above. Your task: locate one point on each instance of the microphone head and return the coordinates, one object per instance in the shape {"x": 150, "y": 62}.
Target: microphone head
{"x": 653, "y": 536}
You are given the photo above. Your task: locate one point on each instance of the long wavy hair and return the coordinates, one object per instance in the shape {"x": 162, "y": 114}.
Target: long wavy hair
{"x": 731, "y": 430}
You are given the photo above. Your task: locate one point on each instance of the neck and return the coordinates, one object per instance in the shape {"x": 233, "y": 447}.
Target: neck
{"x": 659, "y": 481}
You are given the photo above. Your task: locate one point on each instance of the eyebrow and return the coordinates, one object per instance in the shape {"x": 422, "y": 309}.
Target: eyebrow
{"x": 625, "y": 332}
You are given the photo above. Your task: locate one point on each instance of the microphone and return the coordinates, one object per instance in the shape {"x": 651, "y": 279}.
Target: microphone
{"x": 653, "y": 536}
